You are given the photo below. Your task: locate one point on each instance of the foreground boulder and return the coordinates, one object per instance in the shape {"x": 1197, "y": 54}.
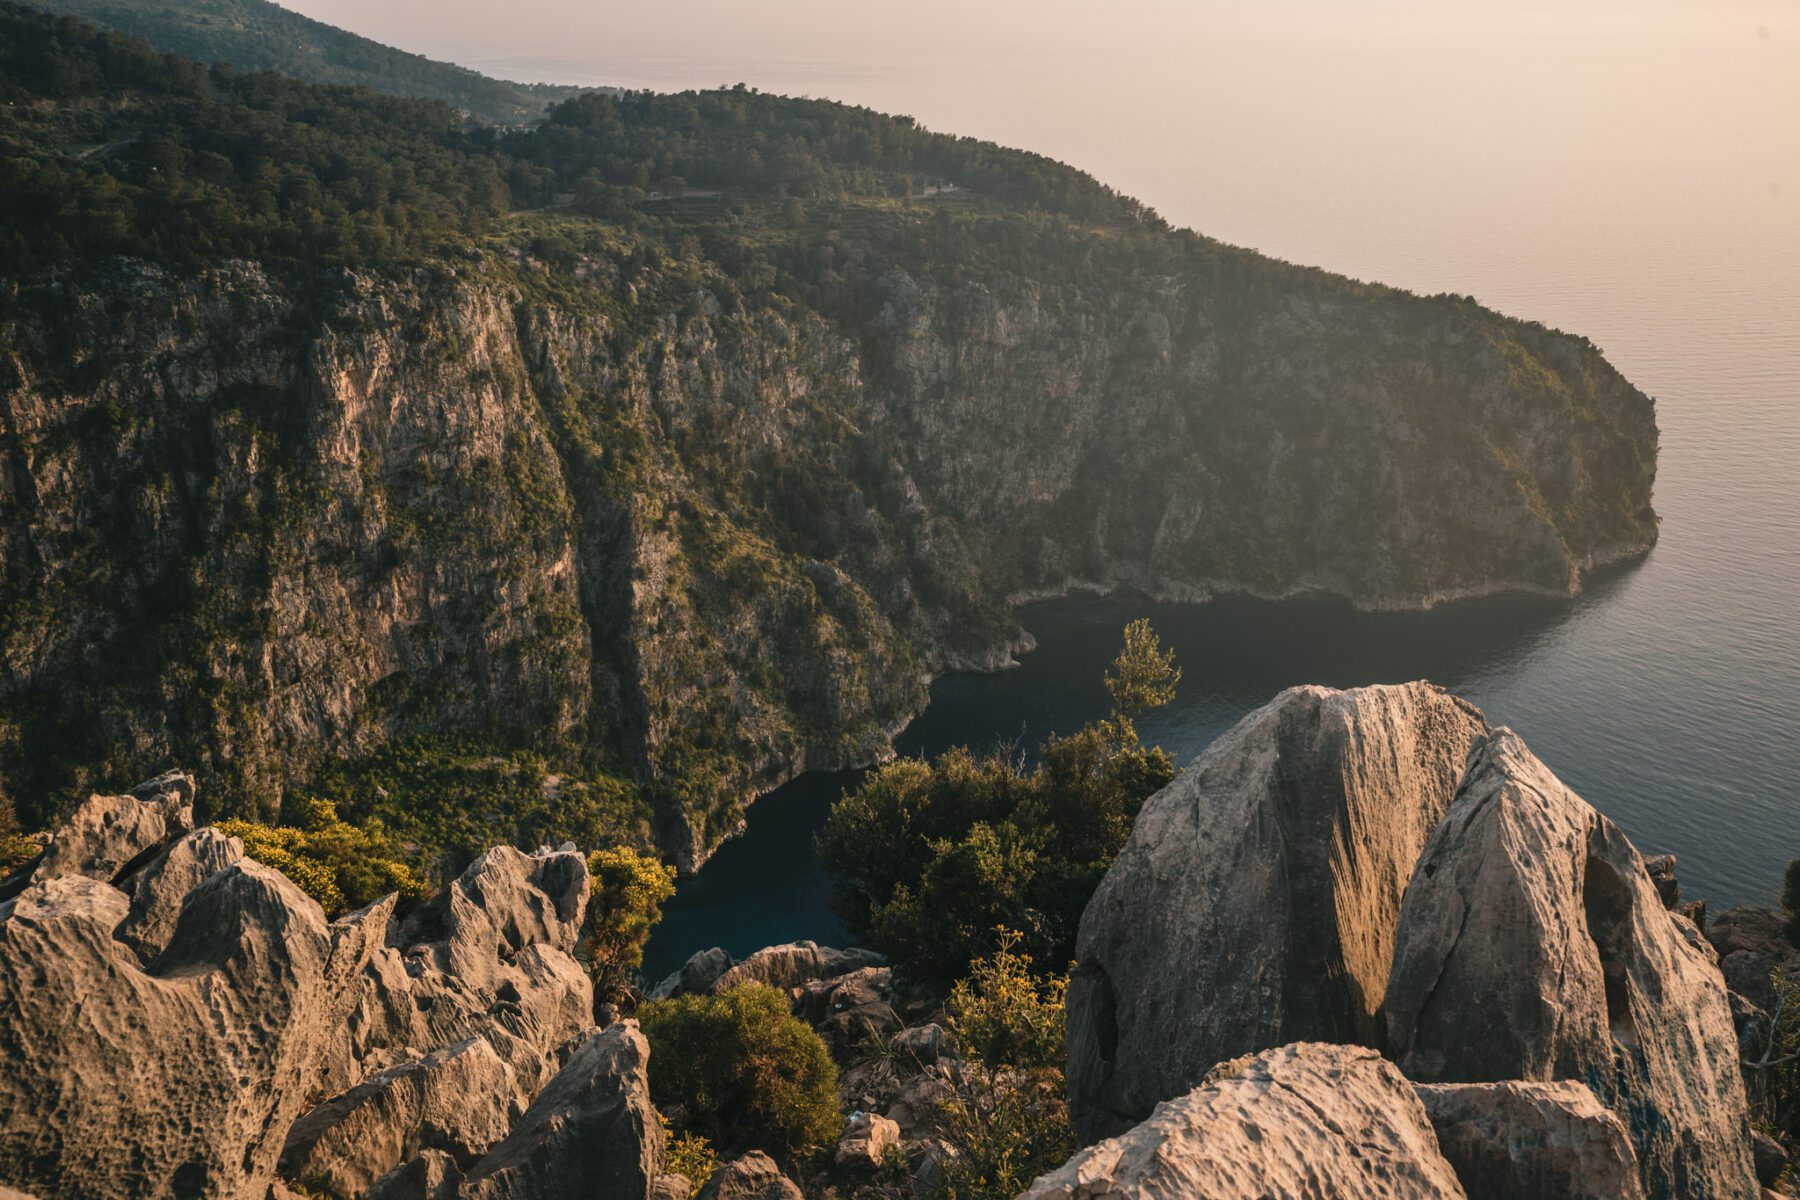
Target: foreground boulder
{"x": 752, "y": 1177}
{"x": 1534, "y": 945}
{"x": 1256, "y": 899}
{"x": 590, "y": 1134}
{"x": 460, "y": 1100}
{"x": 176, "y": 1074}
{"x": 492, "y": 956}
{"x": 1525, "y": 1141}
{"x": 1309, "y": 1120}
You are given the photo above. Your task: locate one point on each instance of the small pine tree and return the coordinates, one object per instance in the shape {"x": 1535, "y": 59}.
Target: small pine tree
{"x": 624, "y": 903}
{"x": 1144, "y": 675}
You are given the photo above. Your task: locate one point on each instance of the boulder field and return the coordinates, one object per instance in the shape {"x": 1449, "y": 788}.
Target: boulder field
{"x": 1366, "y": 946}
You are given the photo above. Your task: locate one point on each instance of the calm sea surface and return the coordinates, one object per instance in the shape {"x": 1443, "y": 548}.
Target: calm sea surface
{"x": 1626, "y": 171}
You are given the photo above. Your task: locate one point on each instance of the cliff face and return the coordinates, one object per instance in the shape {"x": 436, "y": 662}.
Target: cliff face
{"x": 618, "y": 512}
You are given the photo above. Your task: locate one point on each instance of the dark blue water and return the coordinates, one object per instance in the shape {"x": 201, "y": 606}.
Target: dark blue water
{"x": 1730, "y": 819}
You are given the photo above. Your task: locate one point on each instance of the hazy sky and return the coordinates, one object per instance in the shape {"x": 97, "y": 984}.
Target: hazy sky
{"x": 1345, "y": 134}
{"x": 827, "y": 32}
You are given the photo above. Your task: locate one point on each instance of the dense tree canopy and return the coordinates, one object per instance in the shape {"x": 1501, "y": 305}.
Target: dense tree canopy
{"x": 935, "y": 862}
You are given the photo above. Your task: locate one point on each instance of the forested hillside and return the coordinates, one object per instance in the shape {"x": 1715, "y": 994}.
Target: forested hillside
{"x": 587, "y": 480}
{"x": 255, "y": 35}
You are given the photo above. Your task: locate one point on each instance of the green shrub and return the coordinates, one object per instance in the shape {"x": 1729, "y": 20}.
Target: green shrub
{"x": 927, "y": 860}
{"x": 624, "y": 903}
{"x": 688, "y": 1155}
{"x": 15, "y": 846}
{"x": 744, "y": 1072}
{"x": 340, "y": 865}
{"x": 1004, "y": 1015}
{"x": 1008, "y": 1128}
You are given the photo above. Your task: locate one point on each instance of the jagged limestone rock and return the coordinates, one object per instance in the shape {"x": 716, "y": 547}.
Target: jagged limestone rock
{"x": 107, "y": 834}
{"x": 754, "y": 1176}
{"x": 460, "y": 1100}
{"x": 795, "y": 965}
{"x": 158, "y": 890}
{"x": 491, "y": 957}
{"x": 1534, "y": 945}
{"x": 1526, "y": 1141}
{"x": 1255, "y": 901}
{"x": 1301, "y": 1121}
{"x": 696, "y": 976}
{"x": 591, "y": 1132}
{"x": 177, "y": 1078}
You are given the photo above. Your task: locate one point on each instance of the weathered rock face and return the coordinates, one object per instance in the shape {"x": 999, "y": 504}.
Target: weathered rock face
{"x": 1525, "y": 1141}
{"x": 1256, "y": 899}
{"x": 409, "y": 505}
{"x": 489, "y": 957}
{"x": 109, "y": 833}
{"x": 158, "y": 1044}
{"x": 1301, "y": 1120}
{"x": 461, "y": 1100}
{"x": 796, "y": 964}
{"x": 1533, "y": 945}
{"x": 752, "y": 1177}
{"x": 591, "y": 1132}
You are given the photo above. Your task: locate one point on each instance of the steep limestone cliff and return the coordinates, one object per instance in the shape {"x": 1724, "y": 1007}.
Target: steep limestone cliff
{"x": 694, "y": 537}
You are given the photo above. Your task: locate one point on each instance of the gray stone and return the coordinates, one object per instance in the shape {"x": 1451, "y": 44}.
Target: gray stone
{"x": 752, "y": 1177}
{"x": 1255, "y": 901}
{"x": 923, "y": 1045}
{"x": 1533, "y": 945}
{"x": 867, "y": 1139}
{"x": 1307, "y": 1120}
{"x": 1524, "y": 1141}
{"x": 796, "y": 964}
{"x": 590, "y": 1134}
{"x": 460, "y": 1100}
{"x": 696, "y": 977}
{"x": 1661, "y": 869}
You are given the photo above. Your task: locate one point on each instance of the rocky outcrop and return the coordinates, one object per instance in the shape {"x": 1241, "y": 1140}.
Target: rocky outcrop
{"x": 1526, "y": 1141}
{"x": 108, "y": 835}
{"x": 1752, "y": 945}
{"x": 797, "y": 964}
{"x": 696, "y": 976}
{"x": 168, "y": 1060}
{"x": 591, "y": 1132}
{"x": 1302, "y": 1121}
{"x": 1255, "y": 901}
{"x": 752, "y": 1177}
{"x": 1533, "y": 945}
{"x": 461, "y": 1100}
{"x": 489, "y": 957}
